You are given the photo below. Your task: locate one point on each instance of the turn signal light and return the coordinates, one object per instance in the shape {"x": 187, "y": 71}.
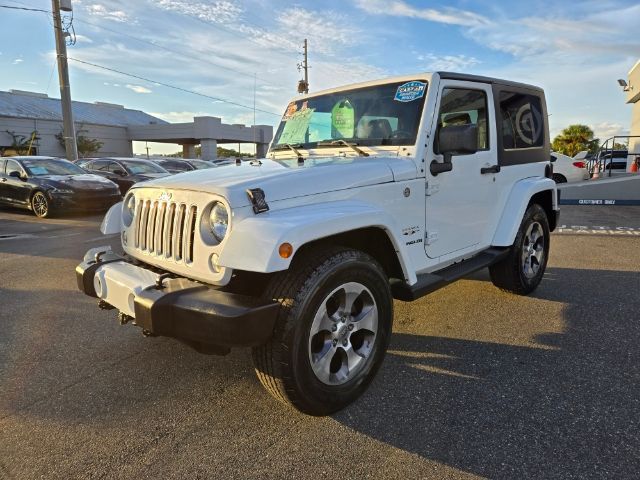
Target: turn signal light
{"x": 285, "y": 250}
{"x": 579, "y": 164}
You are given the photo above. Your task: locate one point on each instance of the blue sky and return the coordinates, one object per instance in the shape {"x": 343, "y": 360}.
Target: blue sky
{"x": 575, "y": 50}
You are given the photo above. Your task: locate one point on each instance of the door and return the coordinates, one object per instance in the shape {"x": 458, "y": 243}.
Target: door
{"x": 16, "y": 190}
{"x": 460, "y": 203}
{"x": 118, "y": 174}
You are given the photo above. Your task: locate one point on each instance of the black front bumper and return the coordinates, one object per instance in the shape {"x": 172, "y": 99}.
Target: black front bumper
{"x": 77, "y": 202}
{"x": 192, "y": 312}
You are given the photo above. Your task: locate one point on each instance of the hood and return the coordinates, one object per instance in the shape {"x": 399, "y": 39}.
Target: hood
{"x": 78, "y": 182}
{"x": 284, "y": 179}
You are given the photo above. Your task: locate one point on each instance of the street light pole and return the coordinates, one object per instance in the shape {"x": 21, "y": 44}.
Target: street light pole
{"x": 69, "y": 132}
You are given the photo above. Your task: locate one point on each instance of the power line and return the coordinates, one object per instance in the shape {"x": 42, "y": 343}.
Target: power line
{"x": 25, "y": 8}
{"x": 218, "y": 99}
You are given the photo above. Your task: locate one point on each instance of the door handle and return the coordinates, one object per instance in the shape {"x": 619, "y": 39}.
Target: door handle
{"x": 490, "y": 169}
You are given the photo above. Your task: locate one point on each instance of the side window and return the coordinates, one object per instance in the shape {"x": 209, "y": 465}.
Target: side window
{"x": 100, "y": 165}
{"x": 522, "y": 122}
{"x": 181, "y": 166}
{"x": 112, "y": 167}
{"x": 461, "y": 106}
{"x": 13, "y": 166}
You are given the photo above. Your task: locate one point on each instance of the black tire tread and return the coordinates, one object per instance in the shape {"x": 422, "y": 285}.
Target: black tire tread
{"x": 286, "y": 287}
{"x": 506, "y": 274}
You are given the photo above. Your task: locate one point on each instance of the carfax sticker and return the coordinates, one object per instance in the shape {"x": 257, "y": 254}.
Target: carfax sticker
{"x": 410, "y": 91}
{"x": 291, "y": 109}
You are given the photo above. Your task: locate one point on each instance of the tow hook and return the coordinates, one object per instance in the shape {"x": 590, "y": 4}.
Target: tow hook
{"x": 123, "y": 318}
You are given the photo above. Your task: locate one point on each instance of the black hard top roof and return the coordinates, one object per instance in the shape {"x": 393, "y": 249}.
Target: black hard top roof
{"x": 478, "y": 78}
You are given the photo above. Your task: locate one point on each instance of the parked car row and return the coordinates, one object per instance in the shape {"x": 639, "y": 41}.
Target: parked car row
{"x": 46, "y": 185}
{"x": 124, "y": 171}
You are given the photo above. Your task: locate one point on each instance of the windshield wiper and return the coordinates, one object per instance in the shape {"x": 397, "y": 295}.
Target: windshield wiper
{"x": 288, "y": 146}
{"x": 352, "y": 146}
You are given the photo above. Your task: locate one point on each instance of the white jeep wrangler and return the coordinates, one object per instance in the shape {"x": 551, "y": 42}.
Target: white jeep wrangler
{"x": 370, "y": 192}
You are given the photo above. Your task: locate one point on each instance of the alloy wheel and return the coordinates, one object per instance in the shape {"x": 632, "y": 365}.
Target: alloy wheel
{"x": 343, "y": 333}
{"x": 533, "y": 250}
{"x": 40, "y": 204}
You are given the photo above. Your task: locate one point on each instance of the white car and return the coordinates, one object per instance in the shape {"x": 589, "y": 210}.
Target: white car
{"x": 371, "y": 192}
{"x": 567, "y": 169}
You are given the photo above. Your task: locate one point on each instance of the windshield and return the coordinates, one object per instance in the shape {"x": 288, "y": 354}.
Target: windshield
{"x": 142, "y": 167}
{"x": 379, "y": 115}
{"x": 51, "y": 166}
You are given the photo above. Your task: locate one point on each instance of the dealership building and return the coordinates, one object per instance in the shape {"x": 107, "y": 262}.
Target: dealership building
{"x": 632, "y": 89}
{"x": 116, "y": 127}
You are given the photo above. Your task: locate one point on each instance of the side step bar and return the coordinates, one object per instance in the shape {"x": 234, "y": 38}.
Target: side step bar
{"x": 429, "y": 282}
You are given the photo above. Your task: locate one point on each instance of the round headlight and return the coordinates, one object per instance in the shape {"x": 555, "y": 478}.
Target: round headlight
{"x": 128, "y": 209}
{"x": 218, "y": 221}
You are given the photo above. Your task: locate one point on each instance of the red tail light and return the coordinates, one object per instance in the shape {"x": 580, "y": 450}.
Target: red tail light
{"x": 579, "y": 164}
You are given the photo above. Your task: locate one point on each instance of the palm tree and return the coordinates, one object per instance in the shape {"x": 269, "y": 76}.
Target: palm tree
{"x": 574, "y": 139}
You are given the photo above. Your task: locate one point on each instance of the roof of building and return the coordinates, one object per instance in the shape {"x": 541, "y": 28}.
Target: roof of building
{"x": 39, "y": 106}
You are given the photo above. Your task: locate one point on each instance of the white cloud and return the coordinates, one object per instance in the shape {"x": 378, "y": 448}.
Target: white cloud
{"x": 179, "y": 117}
{"x": 216, "y": 12}
{"x": 138, "y": 88}
{"x": 17, "y": 61}
{"x": 448, "y": 63}
{"x": 99, "y": 10}
{"x": 606, "y": 130}
{"x": 324, "y": 30}
{"x": 399, "y": 8}
{"x": 553, "y": 37}
{"x": 83, "y": 39}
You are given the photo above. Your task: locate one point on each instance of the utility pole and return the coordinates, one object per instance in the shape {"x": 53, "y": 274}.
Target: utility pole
{"x": 303, "y": 85}
{"x": 69, "y": 130}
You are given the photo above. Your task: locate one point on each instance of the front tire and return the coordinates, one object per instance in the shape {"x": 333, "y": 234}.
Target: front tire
{"x": 522, "y": 270}
{"x": 40, "y": 205}
{"x": 332, "y": 330}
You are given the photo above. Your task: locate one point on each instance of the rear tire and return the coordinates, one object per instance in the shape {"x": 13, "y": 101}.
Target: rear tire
{"x": 559, "y": 178}
{"x": 522, "y": 270}
{"x": 332, "y": 330}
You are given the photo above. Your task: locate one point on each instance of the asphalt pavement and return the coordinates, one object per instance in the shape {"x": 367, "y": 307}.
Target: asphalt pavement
{"x": 477, "y": 382}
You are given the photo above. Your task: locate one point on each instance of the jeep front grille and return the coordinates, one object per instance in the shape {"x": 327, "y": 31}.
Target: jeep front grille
{"x": 165, "y": 229}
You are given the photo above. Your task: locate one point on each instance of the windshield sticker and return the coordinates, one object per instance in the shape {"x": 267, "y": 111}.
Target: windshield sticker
{"x": 38, "y": 170}
{"x": 342, "y": 120}
{"x": 410, "y": 91}
{"x": 296, "y": 127}
{"x": 291, "y": 109}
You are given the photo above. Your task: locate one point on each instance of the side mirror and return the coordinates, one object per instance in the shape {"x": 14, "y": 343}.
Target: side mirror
{"x": 454, "y": 140}
{"x": 119, "y": 171}
{"x": 16, "y": 174}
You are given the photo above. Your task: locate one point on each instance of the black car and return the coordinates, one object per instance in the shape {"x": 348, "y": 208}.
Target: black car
{"x": 124, "y": 171}
{"x": 47, "y": 184}
{"x": 179, "y": 165}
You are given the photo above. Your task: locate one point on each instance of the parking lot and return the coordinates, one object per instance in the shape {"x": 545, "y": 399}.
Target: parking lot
{"x": 477, "y": 383}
